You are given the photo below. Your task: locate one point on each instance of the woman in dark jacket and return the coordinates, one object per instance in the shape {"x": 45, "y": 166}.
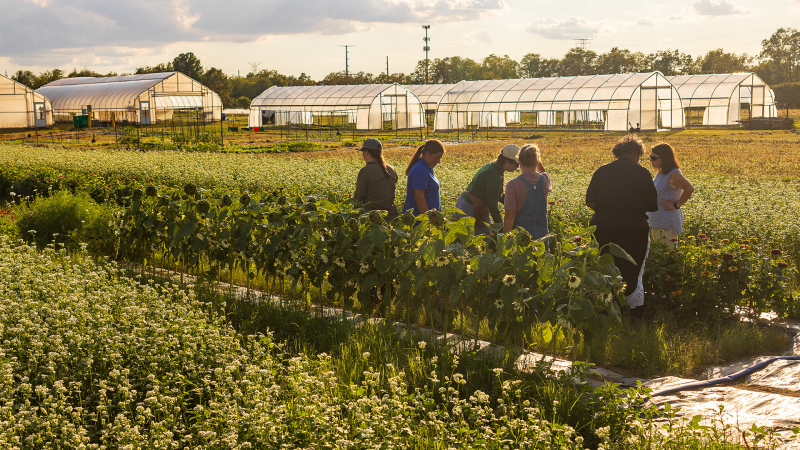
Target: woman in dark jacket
{"x": 621, "y": 194}
{"x": 375, "y": 186}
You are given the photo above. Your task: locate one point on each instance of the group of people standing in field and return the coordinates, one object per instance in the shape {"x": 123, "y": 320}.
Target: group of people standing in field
{"x": 629, "y": 207}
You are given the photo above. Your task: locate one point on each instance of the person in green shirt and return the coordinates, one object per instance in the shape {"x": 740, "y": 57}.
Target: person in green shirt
{"x": 376, "y": 182}
{"x": 485, "y": 191}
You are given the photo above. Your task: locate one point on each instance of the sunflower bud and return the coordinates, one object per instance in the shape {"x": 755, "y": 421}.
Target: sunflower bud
{"x": 190, "y": 189}
{"x": 203, "y": 207}
{"x": 226, "y": 200}
{"x": 245, "y": 199}
{"x": 151, "y": 191}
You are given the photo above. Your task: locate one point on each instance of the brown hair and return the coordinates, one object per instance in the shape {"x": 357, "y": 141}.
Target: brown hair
{"x": 378, "y": 155}
{"x": 529, "y": 155}
{"x": 629, "y": 145}
{"x": 669, "y": 160}
{"x": 431, "y": 146}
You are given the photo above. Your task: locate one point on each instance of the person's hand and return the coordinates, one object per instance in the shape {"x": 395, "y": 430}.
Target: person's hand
{"x": 667, "y": 204}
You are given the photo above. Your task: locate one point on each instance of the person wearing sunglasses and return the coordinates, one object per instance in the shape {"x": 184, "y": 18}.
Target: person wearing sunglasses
{"x": 621, "y": 193}
{"x": 674, "y": 190}
{"x": 485, "y": 191}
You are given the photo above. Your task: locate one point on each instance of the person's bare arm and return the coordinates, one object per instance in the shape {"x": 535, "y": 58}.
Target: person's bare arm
{"x": 508, "y": 220}
{"x": 681, "y": 181}
{"x": 419, "y": 199}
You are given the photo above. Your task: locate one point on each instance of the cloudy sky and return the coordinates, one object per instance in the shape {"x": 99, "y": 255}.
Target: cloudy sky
{"x": 294, "y": 36}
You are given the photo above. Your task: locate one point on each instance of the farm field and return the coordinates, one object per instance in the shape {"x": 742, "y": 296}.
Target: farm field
{"x": 745, "y": 205}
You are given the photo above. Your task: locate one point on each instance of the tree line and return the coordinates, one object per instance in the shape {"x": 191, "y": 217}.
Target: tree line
{"x": 778, "y": 62}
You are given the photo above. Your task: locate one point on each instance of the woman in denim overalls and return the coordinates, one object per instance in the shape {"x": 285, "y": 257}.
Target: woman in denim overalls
{"x": 526, "y": 196}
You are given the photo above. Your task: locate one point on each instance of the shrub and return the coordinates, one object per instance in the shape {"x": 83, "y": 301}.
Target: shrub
{"x": 67, "y": 219}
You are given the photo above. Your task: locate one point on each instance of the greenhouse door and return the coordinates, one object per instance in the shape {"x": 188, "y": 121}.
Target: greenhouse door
{"x": 39, "y": 115}
{"x": 144, "y": 110}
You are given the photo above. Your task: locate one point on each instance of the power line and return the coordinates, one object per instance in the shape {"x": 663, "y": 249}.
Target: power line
{"x": 254, "y": 66}
{"x": 582, "y": 43}
{"x": 346, "y": 61}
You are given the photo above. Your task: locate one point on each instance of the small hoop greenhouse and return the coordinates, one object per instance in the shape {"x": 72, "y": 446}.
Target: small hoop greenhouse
{"x": 429, "y": 94}
{"x": 22, "y": 107}
{"x": 646, "y": 101}
{"x": 367, "y": 107}
{"x": 723, "y": 99}
{"x": 140, "y": 99}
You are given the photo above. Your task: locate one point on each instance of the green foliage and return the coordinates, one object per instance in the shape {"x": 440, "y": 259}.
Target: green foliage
{"x": 67, "y": 219}
{"x": 788, "y": 94}
{"x": 709, "y": 279}
{"x": 437, "y": 265}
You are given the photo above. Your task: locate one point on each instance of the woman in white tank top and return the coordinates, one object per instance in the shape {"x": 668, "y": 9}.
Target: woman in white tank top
{"x": 674, "y": 191}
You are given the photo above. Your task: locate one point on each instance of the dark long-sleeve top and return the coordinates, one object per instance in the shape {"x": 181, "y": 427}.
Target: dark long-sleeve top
{"x": 375, "y": 190}
{"x": 622, "y": 192}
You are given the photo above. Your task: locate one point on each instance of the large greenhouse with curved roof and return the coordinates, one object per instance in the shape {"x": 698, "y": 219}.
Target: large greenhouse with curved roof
{"x": 140, "y": 99}
{"x": 724, "y": 99}
{"x": 618, "y": 102}
{"x": 22, "y": 107}
{"x": 367, "y": 106}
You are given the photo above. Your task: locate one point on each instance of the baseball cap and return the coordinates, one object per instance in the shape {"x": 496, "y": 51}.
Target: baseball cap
{"x": 511, "y": 151}
{"x": 374, "y": 144}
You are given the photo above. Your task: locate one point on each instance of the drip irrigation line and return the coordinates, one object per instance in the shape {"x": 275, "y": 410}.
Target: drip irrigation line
{"x": 731, "y": 377}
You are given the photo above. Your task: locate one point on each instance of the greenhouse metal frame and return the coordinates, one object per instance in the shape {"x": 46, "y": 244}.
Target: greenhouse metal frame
{"x": 617, "y": 102}
{"x": 362, "y": 107}
{"x": 137, "y": 99}
{"x": 429, "y": 94}
{"x": 719, "y": 98}
{"x": 22, "y": 107}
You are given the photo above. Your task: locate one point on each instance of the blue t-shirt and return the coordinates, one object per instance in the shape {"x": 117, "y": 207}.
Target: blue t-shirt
{"x": 421, "y": 177}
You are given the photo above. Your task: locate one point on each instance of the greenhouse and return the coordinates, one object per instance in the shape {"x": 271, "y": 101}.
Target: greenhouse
{"x": 22, "y": 107}
{"x": 645, "y": 101}
{"x": 141, "y": 99}
{"x": 723, "y": 99}
{"x": 368, "y": 107}
{"x": 429, "y": 94}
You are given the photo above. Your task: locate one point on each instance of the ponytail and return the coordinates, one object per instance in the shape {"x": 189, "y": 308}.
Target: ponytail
{"x": 377, "y": 154}
{"x": 431, "y": 146}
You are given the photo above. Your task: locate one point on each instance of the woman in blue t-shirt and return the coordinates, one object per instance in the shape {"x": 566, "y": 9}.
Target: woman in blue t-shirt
{"x": 422, "y": 186}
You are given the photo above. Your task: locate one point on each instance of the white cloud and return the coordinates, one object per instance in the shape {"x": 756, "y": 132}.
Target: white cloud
{"x": 481, "y": 36}
{"x": 717, "y": 8}
{"x": 645, "y": 23}
{"x": 677, "y": 17}
{"x": 572, "y": 28}
{"x": 158, "y": 23}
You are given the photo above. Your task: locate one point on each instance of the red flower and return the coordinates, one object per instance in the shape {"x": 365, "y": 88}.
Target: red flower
{"x": 578, "y": 239}
{"x": 551, "y": 203}
{"x": 782, "y": 265}
{"x": 673, "y": 240}
{"x": 727, "y": 256}
{"x": 670, "y": 280}
{"x": 701, "y": 236}
{"x": 775, "y": 252}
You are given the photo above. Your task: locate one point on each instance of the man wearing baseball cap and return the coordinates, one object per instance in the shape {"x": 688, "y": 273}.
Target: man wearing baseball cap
{"x": 376, "y": 182}
{"x": 485, "y": 191}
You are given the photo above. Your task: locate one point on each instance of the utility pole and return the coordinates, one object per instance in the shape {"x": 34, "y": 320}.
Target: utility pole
{"x": 427, "y": 48}
{"x": 582, "y": 43}
{"x": 254, "y": 66}
{"x": 387, "y": 66}
{"x": 346, "y": 64}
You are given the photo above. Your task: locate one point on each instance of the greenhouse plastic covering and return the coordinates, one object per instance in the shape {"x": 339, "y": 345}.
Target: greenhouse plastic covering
{"x": 429, "y": 94}
{"x": 615, "y": 102}
{"x": 370, "y": 105}
{"x": 134, "y": 98}
{"x": 22, "y": 107}
{"x": 721, "y": 96}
